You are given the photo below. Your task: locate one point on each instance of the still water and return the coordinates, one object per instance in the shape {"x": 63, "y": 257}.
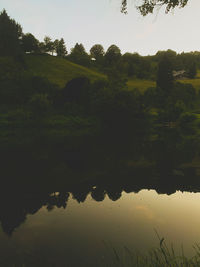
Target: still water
{"x": 85, "y": 233}
{"x": 76, "y": 202}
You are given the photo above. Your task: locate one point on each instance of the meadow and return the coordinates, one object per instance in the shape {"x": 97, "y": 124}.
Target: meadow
{"x": 58, "y": 70}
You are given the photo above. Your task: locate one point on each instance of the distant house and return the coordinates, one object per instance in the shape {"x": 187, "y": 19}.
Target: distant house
{"x": 180, "y": 74}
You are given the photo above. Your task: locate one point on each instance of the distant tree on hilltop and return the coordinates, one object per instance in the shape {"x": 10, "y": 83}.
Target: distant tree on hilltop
{"x": 48, "y": 45}
{"x": 30, "y": 43}
{"x": 60, "y": 47}
{"x": 113, "y": 55}
{"x": 79, "y": 55}
{"x": 97, "y": 51}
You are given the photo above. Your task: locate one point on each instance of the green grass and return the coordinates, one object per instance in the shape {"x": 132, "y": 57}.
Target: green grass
{"x": 195, "y": 82}
{"x": 58, "y": 70}
{"x": 141, "y": 85}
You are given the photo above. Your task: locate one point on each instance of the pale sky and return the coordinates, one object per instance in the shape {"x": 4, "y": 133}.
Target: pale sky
{"x": 100, "y": 22}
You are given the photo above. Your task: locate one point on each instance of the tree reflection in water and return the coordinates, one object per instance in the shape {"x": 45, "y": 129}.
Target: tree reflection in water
{"x": 30, "y": 175}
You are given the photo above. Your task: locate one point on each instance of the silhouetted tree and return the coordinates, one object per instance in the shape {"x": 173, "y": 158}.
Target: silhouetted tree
{"x": 79, "y": 55}
{"x": 97, "y": 52}
{"x": 60, "y": 47}
{"x": 98, "y": 194}
{"x": 30, "y": 43}
{"x": 80, "y": 194}
{"x": 114, "y": 193}
{"x": 113, "y": 55}
{"x": 48, "y": 45}
{"x": 170, "y": 54}
{"x": 165, "y": 76}
{"x": 10, "y": 36}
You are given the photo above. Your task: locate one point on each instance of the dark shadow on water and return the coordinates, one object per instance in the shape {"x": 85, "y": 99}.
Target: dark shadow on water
{"x": 45, "y": 174}
{"x": 31, "y": 173}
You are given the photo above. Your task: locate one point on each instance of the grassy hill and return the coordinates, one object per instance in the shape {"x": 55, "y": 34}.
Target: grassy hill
{"x": 58, "y": 70}
{"x": 141, "y": 85}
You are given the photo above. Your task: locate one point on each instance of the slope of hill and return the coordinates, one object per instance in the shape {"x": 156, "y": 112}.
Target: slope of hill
{"x": 58, "y": 70}
{"x": 141, "y": 85}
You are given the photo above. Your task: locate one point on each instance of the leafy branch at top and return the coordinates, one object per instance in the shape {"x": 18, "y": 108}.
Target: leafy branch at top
{"x": 147, "y": 6}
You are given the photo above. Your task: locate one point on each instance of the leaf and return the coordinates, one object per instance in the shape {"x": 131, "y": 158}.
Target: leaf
{"x": 161, "y": 241}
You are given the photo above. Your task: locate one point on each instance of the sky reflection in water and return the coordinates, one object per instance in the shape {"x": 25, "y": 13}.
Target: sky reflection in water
{"x": 86, "y": 232}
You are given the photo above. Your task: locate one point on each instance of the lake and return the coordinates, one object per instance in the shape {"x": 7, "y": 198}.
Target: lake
{"x": 85, "y": 233}
{"x": 81, "y": 203}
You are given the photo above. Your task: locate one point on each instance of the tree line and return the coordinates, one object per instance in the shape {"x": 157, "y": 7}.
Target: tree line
{"x": 13, "y": 42}
{"x": 108, "y": 102}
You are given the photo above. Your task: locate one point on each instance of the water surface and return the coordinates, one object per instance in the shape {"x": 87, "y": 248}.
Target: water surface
{"x": 73, "y": 202}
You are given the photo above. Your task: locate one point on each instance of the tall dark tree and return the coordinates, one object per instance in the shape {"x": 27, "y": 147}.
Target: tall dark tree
{"x": 79, "y": 55}
{"x": 192, "y": 70}
{"x": 48, "y": 45}
{"x": 10, "y": 36}
{"x": 30, "y": 43}
{"x": 60, "y": 47}
{"x": 165, "y": 77}
{"x": 113, "y": 55}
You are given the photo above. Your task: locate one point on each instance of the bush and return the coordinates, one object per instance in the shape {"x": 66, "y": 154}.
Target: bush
{"x": 40, "y": 104}
{"x": 186, "y": 118}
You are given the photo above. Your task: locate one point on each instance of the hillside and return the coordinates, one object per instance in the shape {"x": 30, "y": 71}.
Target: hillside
{"x": 141, "y": 85}
{"x": 58, "y": 70}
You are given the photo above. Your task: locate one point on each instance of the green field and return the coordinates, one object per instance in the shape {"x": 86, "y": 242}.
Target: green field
{"x": 195, "y": 82}
{"x": 141, "y": 85}
{"x": 58, "y": 70}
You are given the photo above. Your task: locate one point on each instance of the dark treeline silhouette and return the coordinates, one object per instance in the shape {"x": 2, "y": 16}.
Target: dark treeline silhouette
{"x": 14, "y": 43}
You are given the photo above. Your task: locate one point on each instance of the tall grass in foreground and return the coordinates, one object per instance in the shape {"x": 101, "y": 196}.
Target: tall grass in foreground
{"x": 162, "y": 256}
